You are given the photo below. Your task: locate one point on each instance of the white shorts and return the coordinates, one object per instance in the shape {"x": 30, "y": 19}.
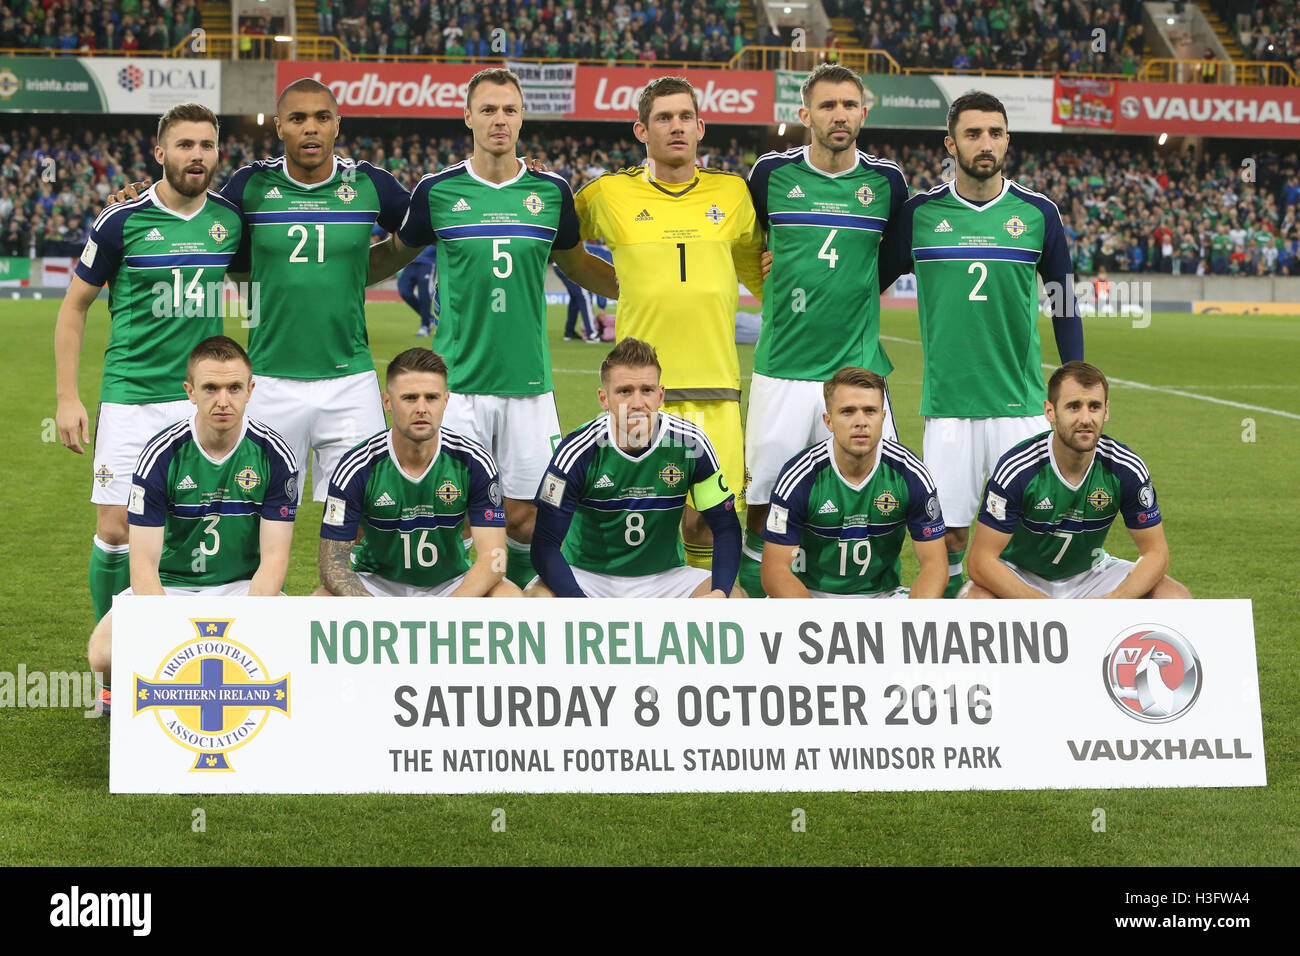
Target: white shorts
{"x": 382, "y": 587}
{"x": 784, "y": 418}
{"x": 121, "y": 432}
{"x": 323, "y": 417}
{"x": 961, "y": 453}
{"x": 1104, "y": 578}
{"x": 895, "y": 593}
{"x": 520, "y": 432}
{"x": 231, "y": 589}
{"x": 673, "y": 583}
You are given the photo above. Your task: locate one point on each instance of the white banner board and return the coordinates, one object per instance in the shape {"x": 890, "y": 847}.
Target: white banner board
{"x": 342, "y": 695}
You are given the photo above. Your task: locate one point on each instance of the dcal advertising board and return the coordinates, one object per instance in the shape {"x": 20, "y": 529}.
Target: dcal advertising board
{"x": 334, "y": 695}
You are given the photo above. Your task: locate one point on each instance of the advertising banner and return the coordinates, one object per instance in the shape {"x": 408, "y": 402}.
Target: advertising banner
{"x": 106, "y": 84}
{"x": 343, "y": 695}
{"x": 548, "y": 87}
{"x": 1182, "y": 109}
{"x": 595, "y": 93}
{"x": 1086, "y": 103}
{"x": 15, "y": 270}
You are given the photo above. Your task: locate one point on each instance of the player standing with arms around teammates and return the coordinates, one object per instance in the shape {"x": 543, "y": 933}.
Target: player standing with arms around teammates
{"x": 1052, "y": 499}
{"x": 213, "y": 497}
{"x": 826, "y": 208}
{"x": 977, "y": 245}
{"x": 496, "y": 223}
{"x": 841, "y": 509}
{"x": 309, "y": 216}
{"x": 413, "y": 487}
{"x": 683, "y": 237}
{"x": 159, "y": 254}
{"x": 610, "y": 506}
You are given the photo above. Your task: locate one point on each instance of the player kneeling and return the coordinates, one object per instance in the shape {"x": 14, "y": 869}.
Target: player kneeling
{"x": 212, "y": 500}
{"x": 412, "y": 488}
{"x": 610, "y": 503}
{"x": 1051, "y": 500}
{"x": 836, "y": 522}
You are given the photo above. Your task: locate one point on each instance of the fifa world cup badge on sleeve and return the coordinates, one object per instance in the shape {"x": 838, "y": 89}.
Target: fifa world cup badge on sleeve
{"x": 211, "y": 695}
{"x": 777, "y": 517}
{"x": 997, "y": 506}
{"x": 553, "y": 490}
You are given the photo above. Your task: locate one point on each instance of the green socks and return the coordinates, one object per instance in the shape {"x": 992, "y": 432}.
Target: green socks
{"x": 955, "y": 580}
{"x": 110, "y": 574}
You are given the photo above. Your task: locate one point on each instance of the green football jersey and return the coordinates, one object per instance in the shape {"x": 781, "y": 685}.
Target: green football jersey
{"x": 850, "y": 537}
{"x": 821, "y": 301}
{"x": 621, "y": 514}
{"x": 494, "y": 241}
{"x": 307, "y": 252}
{"x": 210, "y": 510}
{"x": 164, "y": 273}
{"x": 977, "y": 272}
{"x": 412, "y": 525}
{"x": 1058, "y": 530}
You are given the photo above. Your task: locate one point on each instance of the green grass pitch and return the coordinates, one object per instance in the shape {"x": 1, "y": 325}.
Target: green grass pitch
{"x": 1227, "y": 489}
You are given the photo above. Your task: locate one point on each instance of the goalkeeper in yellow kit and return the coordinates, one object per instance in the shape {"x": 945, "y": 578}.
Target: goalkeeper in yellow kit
{"x": 682, "y": 238}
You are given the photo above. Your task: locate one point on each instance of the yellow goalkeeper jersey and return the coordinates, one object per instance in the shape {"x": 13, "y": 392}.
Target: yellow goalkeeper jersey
{"x": 679, "y": 251}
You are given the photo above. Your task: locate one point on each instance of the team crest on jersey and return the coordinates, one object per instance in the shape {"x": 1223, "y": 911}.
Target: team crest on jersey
{"x": 103, "y": 476}
{"x": 218, "y": 232}
{"x": 885, "y": 502}
{"x": 533, "y": 203}
{"x": 715, "y": 215}
{"x": 1015, "y": 227}
{"x": 671, "y": 475}
{"x": 346, "y": 193}
{"x": 247, "y": 479}
{"x": 1100, "y": 499}
{"x": 865, "y": 195}
{"x": 447, "y": 492}
{"x": 211, "y": 695}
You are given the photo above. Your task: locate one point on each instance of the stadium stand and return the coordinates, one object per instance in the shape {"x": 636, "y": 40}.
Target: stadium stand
{"x": 1124, "y": 208}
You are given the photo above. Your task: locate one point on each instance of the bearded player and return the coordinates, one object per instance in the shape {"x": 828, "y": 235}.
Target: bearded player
{"x": 825, "y": 208}
{"x": 161, "y": 256}
{"x": 212, "y": 499}
{"x": 1052, "y": 499}
{"x": 411, "y": 489}
{"x": 496, "y": 223}
{"x": 683, "y": 238}
{"x": 977, "y": 245}
{"x": 841, "y": 509}
{"x": 610, "y": 505}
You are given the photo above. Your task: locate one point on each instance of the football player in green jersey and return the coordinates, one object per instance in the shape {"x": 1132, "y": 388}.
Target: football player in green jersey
{"x": 978, "y": 245}
{"x": 212, "y": 499}
{"x": 497, "y": 222}
{"x": 826, "y": 208}
{"x": 1052, "y": 499}
{"x": 610, "y": 505}
{"x": 841, "y": 509}
{"x": 413, "y": 488}
{"x": 162, "y": 256}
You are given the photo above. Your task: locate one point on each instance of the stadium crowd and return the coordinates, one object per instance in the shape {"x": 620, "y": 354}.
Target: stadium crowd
{"x": 1124, "y": 209}
{"x": 87, "y": 26}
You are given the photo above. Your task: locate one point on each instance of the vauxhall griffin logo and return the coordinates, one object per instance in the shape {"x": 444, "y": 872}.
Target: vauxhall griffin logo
{"x": 1152, "y": 673}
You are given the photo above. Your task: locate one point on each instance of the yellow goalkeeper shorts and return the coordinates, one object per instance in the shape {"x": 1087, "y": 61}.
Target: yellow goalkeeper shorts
{"x": 721, "y": 422}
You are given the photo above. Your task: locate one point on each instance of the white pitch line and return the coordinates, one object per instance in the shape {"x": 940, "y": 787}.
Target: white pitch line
{"x": 1155, "y": 388}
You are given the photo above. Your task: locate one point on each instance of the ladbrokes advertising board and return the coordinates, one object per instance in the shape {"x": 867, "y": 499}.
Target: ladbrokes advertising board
{"x": 319, "y": 695}
{"x": 438, "y": 90}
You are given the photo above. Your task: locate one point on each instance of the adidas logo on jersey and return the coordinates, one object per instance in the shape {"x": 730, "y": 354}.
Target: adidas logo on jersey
{"x": 186, "y": 484}
{"x": 828, "y": 508}
{"x": 461, "y": 205}
{"x": 604, "y": 482}
{"x": 795, "y": 193}
{"x": 384, "y": 500}
{"x": 644, "y": 216}
{"x": 273, "y": 193}
{"x": 154, "y": 236}
{"x": 943, "y": 227}
{"x": 1044, "y": 504}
